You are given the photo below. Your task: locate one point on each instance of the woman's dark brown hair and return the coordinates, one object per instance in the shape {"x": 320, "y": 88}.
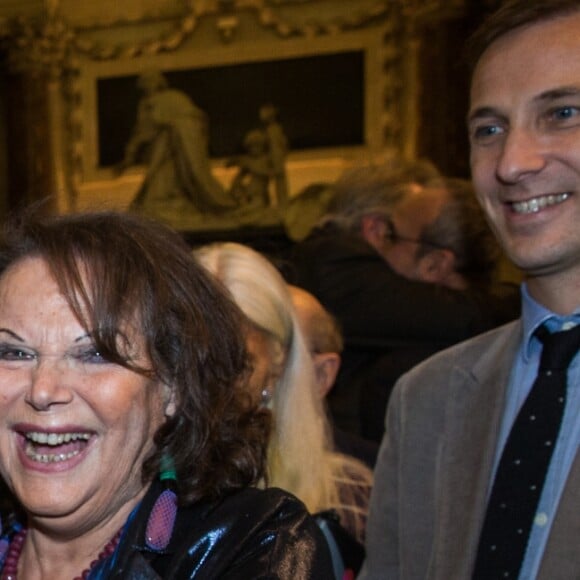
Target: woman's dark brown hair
{"x": 116, "y": 269}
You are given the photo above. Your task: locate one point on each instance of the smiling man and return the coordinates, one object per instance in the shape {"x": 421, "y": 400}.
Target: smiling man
{"x": 479, "y": 471}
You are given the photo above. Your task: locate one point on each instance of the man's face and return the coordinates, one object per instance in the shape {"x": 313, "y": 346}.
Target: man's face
{"x": 524, "y": 126}
{"x": 416, "y": 210}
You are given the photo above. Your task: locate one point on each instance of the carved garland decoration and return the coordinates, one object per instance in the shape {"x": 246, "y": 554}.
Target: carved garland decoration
{"x": 47, "y": 45}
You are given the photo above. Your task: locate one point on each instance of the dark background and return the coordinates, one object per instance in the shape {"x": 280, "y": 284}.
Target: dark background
{"x": 444, "y": 79}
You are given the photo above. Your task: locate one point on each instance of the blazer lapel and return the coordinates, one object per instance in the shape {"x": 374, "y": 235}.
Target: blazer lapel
{"x": 473, "y": 416}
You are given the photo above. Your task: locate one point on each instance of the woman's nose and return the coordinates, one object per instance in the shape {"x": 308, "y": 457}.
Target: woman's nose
{"x": 48, "y": 384}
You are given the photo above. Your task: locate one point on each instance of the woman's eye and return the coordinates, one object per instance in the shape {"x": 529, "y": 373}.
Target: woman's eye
{"x": 91, "y": 356}
{"x": 10, "y": 353}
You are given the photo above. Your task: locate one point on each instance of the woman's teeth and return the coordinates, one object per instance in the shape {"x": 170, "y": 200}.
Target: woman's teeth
{"x": 38, "y": 444}
{"x": 55, "y": 438}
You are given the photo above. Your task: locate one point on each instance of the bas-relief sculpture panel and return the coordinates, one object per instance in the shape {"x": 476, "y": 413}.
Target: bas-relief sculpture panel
{"x": 217, "y": 34}
{"x": 325, "y": 107}
{"x": 329, "y": 91}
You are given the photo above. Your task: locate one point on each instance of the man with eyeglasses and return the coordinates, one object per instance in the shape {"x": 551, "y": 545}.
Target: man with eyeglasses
{"x": 438, "y": 234}
{"x": 393, "y": 261}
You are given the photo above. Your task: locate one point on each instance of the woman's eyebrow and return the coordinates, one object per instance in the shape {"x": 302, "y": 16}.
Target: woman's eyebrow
{"x": 12, "y": 334}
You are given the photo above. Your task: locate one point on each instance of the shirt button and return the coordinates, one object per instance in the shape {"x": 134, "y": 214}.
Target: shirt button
{"x": 541, "y": 519}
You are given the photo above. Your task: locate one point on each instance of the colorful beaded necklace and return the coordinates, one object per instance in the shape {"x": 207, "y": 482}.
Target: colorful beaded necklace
{"x": 10, "y": 571}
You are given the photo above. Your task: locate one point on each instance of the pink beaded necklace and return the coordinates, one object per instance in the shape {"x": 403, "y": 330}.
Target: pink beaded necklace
{"x": 10, "y": 571}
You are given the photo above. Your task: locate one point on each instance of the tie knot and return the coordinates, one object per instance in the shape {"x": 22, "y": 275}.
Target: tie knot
{"x": 559, "y": 348}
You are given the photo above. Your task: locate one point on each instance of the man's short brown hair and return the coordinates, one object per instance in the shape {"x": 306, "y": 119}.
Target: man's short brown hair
{"x": 514, "y": 14}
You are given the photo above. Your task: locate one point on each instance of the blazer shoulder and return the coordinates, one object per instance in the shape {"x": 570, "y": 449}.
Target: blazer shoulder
{"x": 251, "y": 533}
{"x": 494, "y": 347}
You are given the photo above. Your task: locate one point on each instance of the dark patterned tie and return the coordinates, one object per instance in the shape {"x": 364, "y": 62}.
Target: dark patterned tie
{"x": 524, "y": 462}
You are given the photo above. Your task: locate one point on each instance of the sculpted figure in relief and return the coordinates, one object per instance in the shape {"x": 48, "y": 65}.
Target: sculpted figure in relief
{"x": 173, "y": 133}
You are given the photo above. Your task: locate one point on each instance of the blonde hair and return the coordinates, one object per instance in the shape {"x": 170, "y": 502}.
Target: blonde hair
{"x": 300, "y": 456}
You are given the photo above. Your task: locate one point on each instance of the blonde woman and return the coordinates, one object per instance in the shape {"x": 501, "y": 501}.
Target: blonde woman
{"x": 301, "y": 458}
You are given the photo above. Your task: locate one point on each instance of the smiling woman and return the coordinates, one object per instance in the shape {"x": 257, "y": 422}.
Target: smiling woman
{"x": 126, "y": 435}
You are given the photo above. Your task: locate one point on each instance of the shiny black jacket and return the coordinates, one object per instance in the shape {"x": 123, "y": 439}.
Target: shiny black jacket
{"x": 250, "y": 534}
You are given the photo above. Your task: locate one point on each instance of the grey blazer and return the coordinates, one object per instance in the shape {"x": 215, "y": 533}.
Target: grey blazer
{"x": 434, "y": 465}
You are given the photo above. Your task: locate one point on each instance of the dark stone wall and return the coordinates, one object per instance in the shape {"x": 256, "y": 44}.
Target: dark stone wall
{"x": 444, "y": 80}
{"x": 28, "y": 141}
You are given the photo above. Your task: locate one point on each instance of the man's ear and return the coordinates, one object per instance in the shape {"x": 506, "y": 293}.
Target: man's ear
{"x": 436, "y": 266}
{"x": 326, "y": 365}
{"x": 374, "y": 230}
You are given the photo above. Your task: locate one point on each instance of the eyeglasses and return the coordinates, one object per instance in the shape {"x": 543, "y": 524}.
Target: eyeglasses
{"x": 393, "y": 235}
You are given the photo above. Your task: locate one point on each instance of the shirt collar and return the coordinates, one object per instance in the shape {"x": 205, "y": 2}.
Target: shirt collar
{"x": 534, "y": 315}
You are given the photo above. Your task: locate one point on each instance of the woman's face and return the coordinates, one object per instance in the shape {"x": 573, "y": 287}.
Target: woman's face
{"x": 74, "y": 428}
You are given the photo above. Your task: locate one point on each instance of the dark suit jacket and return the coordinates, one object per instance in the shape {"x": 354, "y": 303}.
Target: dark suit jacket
{"x": 351, "y": 444}
{"x": 373, "y": 302}
{"x": 434, "y": 468}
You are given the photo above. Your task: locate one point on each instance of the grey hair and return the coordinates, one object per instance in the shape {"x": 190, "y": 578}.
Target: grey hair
{"x": 462, "y": 228}
{"x": 373, "y": 189}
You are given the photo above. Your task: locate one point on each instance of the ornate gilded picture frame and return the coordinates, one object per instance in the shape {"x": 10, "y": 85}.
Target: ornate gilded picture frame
{"x": 332, "y": 93}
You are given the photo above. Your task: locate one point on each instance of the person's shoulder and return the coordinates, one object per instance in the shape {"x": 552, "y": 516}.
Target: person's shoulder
{"x": 426, "y": 390}
{"x": 267, "y": 499}
{"x": 329, "y": 238}
{"x": 329, "y": 253}
{"x": 248, "y": 533}
{"x": 251, "y": 504}
{"x": 491, "y": 344}
{"x": 258, "y": 532}
{"x": 246, "y": 513}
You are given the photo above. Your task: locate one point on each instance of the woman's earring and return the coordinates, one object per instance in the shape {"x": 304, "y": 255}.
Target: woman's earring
{"x": 162, "y": 517}
{"x": 266, "y": 396}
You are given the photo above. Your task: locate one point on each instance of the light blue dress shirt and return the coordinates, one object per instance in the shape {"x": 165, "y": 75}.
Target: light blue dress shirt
{"x": 522, "y": 378}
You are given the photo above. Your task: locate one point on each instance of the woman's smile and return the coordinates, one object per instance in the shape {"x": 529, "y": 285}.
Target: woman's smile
{"x": 54, "y": 450}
